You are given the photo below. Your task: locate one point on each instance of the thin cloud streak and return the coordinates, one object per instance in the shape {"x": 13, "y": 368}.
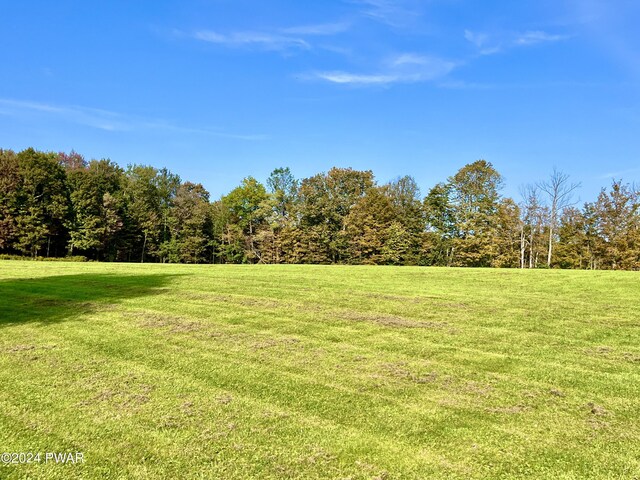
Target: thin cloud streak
{"x": 347, "y": 78}
{"x": 321, "y": 29}
{"x": 91, "y": 117}
{"x": 488, "y": 44}
{"x": 538, "y": 36}
{"x": 111, "y": 121}
{"x": 404, "y": 68}
{"x": 265, "y": 41}
{"x": 395, "y": 13}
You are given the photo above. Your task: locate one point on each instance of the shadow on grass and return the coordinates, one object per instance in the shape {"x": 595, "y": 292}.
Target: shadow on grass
{"x": 58, "y": 298}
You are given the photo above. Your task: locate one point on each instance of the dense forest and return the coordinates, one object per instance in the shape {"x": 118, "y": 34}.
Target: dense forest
{"x": 60, "y": 205}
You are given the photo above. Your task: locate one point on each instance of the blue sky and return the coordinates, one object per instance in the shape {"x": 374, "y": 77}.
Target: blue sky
{"x": 216, "y": 90}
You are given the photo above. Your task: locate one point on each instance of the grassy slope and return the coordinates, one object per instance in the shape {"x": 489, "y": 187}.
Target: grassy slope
{"x": 320, "y": 372}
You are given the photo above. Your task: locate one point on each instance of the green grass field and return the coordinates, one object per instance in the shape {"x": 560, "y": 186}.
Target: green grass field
{"x": 171, "y": 372}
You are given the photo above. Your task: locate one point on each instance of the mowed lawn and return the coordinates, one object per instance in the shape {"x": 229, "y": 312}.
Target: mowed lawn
{"x": 164, "y": 371}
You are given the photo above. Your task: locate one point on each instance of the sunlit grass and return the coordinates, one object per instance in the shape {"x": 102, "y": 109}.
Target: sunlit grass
{"x": 159, "y": 371}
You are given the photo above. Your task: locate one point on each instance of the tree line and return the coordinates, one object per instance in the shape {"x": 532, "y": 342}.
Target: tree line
{"x": 59, "y": 204}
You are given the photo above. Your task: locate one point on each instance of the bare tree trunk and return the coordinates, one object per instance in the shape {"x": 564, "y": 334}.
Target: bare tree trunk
{"x": 550, "y": 246}
{"x": 523, "y": 246}
{"x": 144, "y": 245}
{"x": 560, "y": 192}
{"x": 253, "y": 250}
{"x": 531, "y": 249}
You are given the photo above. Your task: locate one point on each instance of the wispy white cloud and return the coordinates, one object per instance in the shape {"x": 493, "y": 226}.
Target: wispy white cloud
{"x": 434, "y": 65}
{"x": 478, "y": 39}
{"x": 490, "y": 44}
{"x": 347, "y": 78}
{"x": 396, "y": 13}
{"x": 538, "y": 36}
{"x": 266, "y": 41}
{"x": 404, "y": 68}
{"x": 163, "y": 126}
{"x": 320, "y": 29}
{"x": 91, "y": 117}
{"x": 108, "y": 120}
{"x": 283, "y": 39}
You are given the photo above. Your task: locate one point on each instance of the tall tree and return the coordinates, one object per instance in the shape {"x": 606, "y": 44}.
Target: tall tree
{"x": 189, "y": 224}
{"x": 475, "y": 197}
{"x": 283, "y": 187}
{"x": 618, "y": 227}
{"x": 404, "y": 194}
{"x": 440, "y": 218}
{"x": 144, "y": 206}
{"x": 507, "y": 236}
{"x": 168, "y": 185}
{"x": 227, "y": 242}
{"x": 97, "y": 208}
{"x": 248, "y": 210}
{"x": 560, "y": 192}
{"x": 325, "y": 202}
{"x": 10, "y": 182}
{"x": 43, "y": 202}
{"x": 366, "y": 227}
{"x": 533, "y": 214}
{"x": 577, "y": 242}
{"x": 281, "y": 204}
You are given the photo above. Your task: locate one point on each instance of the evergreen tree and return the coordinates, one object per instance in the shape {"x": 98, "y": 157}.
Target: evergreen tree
{"x": 10, "y": 184}
{"x": 96, "y": 200}
{"x": 618, "y": 224}
{"x": 438, "y": 241}
{"x": 42, "y": 201}
{"x": 189, "y": 222}
{"x": 144, "y": 208}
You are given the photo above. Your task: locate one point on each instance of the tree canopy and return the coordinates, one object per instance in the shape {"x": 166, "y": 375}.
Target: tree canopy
{"x": 59, "y": 204}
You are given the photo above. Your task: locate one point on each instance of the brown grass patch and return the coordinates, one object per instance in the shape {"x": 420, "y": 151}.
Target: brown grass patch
{"x": 29, "y": 348}
{"x": 173, "y": 324}
{"x": 275, "y": 342}
{"x": 318, "y": 456}
{"x": 477, "y": 388}
{"x": 433, "y": 300}
{"x": 235, "y": 300}
{"x": 557, "y": 393}
{"x": 610, "y": 354}
{"x": 510, "y": 410}
{"x": 126, "y": 399}
{"x": 391, "y": 320}
{"x": 386, "y": 296}
{"x": 596, "y": 409}
{"x": 401, "y": 370}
